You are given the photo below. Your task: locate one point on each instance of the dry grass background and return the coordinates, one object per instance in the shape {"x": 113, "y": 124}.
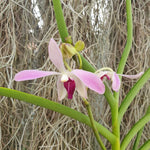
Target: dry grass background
{"x": 28, "y": 127}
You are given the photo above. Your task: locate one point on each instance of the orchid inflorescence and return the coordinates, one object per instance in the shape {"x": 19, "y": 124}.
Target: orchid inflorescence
{"x": 77, "y": 79}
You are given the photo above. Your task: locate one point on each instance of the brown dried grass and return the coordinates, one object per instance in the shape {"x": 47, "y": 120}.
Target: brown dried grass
{"x": 28, "y": 127}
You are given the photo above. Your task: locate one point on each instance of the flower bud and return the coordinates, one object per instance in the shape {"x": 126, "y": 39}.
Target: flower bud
{"x": 67, "y": 50}
{"x": 79, "y": 45}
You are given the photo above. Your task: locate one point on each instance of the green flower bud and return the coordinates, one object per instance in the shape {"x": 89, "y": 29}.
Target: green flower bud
{"x": 79, "y": 45}
{"x": 67, "y": 50}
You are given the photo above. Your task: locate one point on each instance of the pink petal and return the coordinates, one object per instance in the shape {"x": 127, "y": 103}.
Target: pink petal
{"x": 80, "y": 87}
{"x": 61, "y": 90}
{"x": 55, "y": 55}
{"x": 115, "y": 82}
{"x": 132, "y": 76}
{"x": 32, "y": 74}
{"x": 91, "y": 80}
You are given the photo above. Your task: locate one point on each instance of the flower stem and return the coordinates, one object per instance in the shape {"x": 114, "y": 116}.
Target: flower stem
{"x": 80, "y": 60}
{"x": 67, "y": 66}
{"x": 115, "y": 126}
{"x": 93, "y": 125}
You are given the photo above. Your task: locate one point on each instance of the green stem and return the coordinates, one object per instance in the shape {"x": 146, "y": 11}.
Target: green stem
{"x": 132, "y": 93}
{"x": 115, "y": 126}
{"x": 145, "y": 146}
{"x": 67, "y": 66}
{"x": 60, "y": 20}
{"x": 138, "y": 126}
{"x": 93, "y": 125}
{"x": 128, "y": 44}
{"x": 114, "y": 112}
{"x": 39, "y": 101}
{"x": 80, "y": 60}
{"x": 109, "y": 97}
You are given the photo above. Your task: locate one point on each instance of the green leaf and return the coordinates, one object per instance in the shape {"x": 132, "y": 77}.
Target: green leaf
{"x": 39, "y": 101}
{"x": 128, "y": 46}
{"x": 137, "y": 140}
{"x": 60, "y": 20}
{"x": 145, "y": 146}
{"x": 138, "y": 126}
{"x": 139, "y": 134}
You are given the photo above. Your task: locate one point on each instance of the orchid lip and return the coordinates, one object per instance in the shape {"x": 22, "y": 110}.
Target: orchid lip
{"x": 70, "y": 87}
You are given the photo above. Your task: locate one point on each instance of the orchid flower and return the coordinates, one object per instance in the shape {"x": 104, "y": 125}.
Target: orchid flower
{"x": 115, "y": 77}
{"x": 67, "y": 81}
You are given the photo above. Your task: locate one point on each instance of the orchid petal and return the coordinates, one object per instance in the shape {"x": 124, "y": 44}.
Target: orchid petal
{"x": 115, "y": 82}
{"x": 61, "y": 90}
{"x": 32, "y": 74}
{"x": 55, "y": 55}
{"x": 80, "y": 87}
{"x": 91, "y": 80}
{"x": 132, "y": 76}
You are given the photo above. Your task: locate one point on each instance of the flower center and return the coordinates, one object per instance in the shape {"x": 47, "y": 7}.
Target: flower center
{"x": 64, "y": 78}
{"x": 70, "y": 87}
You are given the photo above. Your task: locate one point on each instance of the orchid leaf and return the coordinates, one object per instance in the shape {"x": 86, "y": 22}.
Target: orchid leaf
{"x": 60, "y": 20}
{"x": 145, "y": 146}
{"x": 137, "y": 140}
{"x": 45, "y": 103}
{"x": 139, "y": 134}
{"x": 137, "y": 127}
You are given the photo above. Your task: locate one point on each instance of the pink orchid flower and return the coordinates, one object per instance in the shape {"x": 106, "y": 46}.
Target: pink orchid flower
{"x": 67, "y": 81}
{"x": 115, "y": 78}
